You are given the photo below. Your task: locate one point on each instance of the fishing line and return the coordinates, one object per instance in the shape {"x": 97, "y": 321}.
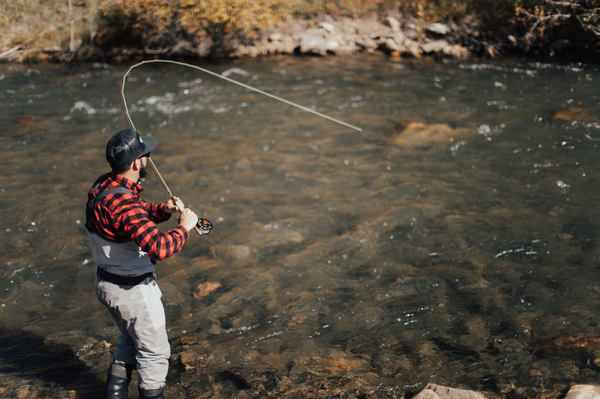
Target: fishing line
{"x": 229, "y": 80}
{"x": 204, "y": 226}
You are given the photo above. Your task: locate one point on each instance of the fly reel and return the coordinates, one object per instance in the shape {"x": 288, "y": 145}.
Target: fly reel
{"x": 204, "y": 226}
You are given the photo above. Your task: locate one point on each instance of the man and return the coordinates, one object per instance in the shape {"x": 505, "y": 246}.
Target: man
{"x": 126, "y": 245}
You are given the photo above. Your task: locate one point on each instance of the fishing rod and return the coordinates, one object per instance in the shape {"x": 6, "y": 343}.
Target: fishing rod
{"x": 204, "y": 226}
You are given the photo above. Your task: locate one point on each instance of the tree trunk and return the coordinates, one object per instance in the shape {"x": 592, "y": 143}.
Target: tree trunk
{"x": 73, "y": 45}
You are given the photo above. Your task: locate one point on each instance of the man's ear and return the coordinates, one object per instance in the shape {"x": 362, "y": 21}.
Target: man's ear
{"x": 137, "y": 164}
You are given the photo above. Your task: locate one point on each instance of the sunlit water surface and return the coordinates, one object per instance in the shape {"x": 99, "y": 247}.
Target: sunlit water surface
{"x": 454, "y": 240}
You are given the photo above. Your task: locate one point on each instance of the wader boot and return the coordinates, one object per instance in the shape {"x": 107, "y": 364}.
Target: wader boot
{"x": 117, "y": 381}
{"x": 151, "y": 393}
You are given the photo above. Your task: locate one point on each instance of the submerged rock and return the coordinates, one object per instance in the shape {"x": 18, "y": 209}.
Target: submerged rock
{"x": 240, "y": 251}
{"x": 572, "y": 114}
{"x": 205, "y": 289}
{"x": 573, "y": 345}
{"x": 423, "y": 135}
{"x": 189, "y": 360}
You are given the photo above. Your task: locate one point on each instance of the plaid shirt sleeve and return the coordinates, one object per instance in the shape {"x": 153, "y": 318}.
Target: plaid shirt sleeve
{"x": 155, "y": 212}
{"x": 137, "y": 219}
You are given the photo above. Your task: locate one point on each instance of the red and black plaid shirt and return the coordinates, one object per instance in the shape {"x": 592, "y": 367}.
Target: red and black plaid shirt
{"x": 125, "y": 217}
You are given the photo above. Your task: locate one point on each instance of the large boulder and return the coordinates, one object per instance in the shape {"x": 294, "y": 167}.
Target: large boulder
{"x": 583, "y": 392}
{"x": 390, "y": 45}
{"x": 433, "y": 391}
{"x": 438, "y": 29}
{"x": 328, "y": 27}
{"x": 456, "y": 51}
{"x": 413, "y": 48}
{"x": 435, "y": 46}
{"x": 317, "y": 41}
{"x": 366, "y": 43}
{"x": 392, "y": 23}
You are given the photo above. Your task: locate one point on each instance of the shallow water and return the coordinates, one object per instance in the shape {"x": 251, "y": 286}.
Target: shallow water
{"x": 356, "y": 264}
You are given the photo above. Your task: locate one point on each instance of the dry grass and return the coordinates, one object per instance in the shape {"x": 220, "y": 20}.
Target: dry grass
{"x": 155, "y": 23}
{"x": 342, "y": 8}
{"x": 46, "y": 23}
{"x": 42, "y": 23}
{"x": 33, "y": 22}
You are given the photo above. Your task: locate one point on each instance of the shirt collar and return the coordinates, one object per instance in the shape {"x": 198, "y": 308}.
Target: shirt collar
{"x": 132, "y": 186}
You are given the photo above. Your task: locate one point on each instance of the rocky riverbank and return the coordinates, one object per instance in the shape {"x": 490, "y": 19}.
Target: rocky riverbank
{"x": 392, "y": 35}
{"x": 350, "y": 36}
{"x": 194, "y": 373}
{"x": 433, "y": 391}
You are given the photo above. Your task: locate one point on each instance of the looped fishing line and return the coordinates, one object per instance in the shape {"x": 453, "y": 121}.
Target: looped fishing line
{"x": 204, "y": 226}
{"x": 227, "y": 79}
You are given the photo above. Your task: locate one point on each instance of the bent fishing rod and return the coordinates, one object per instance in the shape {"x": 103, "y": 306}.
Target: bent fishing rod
{"x": 204, "y": 226}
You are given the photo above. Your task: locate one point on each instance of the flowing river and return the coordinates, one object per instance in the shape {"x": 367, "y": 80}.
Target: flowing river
{"x": 454, "y": 240}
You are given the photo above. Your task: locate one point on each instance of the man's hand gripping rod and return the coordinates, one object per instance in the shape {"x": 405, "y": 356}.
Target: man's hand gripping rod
{"x": 203, "y": 226}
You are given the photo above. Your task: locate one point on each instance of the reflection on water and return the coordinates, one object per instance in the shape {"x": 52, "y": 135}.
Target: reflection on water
{"x": 453, "y": 241}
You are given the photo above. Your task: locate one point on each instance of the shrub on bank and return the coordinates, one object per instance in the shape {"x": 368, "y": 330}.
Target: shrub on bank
{"x": 163, "y": 26}
{"x": 34, "y": 23}
{"x": 201, "y": 27}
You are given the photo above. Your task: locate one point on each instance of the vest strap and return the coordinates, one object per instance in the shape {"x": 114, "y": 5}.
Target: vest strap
{"x": 91, "y": 203}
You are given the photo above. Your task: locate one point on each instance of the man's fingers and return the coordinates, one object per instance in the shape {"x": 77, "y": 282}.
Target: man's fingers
{"x": 188, "y": 218}
{"x": 176, "y": 205}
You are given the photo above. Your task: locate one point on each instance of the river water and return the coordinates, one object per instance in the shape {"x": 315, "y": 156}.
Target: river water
{"x": 453, "y": 241}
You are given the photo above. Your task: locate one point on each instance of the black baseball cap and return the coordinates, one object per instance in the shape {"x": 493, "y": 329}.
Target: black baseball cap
{"x": 126, "y": 146}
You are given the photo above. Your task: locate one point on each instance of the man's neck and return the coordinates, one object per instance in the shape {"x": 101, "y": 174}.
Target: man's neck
{"x": 131, "y": 175}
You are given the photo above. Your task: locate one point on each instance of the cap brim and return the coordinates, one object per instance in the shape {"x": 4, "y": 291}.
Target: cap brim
{"x": 150, "y": 143}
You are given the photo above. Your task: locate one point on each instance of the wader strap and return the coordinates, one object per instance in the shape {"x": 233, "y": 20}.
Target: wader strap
{"x": 117, "y": 370}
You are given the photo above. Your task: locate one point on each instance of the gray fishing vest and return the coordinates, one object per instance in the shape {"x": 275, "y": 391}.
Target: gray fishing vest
{"x": 122, "y": 258}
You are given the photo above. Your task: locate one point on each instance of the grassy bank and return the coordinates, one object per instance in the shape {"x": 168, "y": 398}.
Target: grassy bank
{"x": 92, "y": 29}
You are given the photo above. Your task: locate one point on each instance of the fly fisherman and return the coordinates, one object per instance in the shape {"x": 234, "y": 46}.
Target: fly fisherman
{"x": 126, "y": 245}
